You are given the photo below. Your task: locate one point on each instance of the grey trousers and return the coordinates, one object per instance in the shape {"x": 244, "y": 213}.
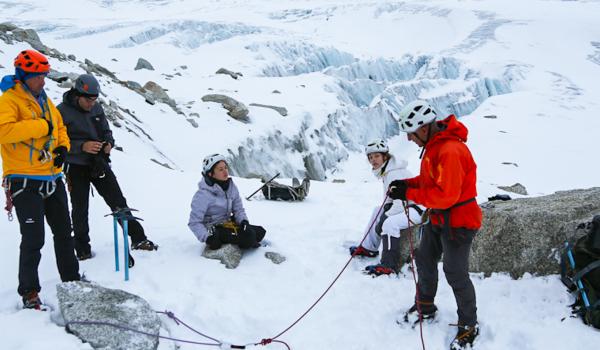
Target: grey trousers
{"x": 456, "y": 247}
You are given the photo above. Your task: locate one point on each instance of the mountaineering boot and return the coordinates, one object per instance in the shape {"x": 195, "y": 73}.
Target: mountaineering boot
{"x": 378, "y": 270}
{"x": 31, "y": 300}
{"x": 428, "y": 312}
{"x": 390, "y": 258}
{"x": 84, "y": 255}
{"x": 360, "y": 251}
{"x": 390, "y": 253}
{"x": 144, "y": 245}
{"x": 465, "y": 337}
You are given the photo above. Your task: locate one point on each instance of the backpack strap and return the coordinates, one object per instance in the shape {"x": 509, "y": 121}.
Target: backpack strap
{"x": 591, "y": 266}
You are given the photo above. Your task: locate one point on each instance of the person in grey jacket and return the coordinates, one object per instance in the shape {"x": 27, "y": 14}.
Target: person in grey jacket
{"x": 218, "y": 216}
{"x": 88, "y": 163}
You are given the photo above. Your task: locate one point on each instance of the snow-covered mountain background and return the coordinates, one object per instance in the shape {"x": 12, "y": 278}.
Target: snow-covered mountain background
{"x": 522, "y": 75}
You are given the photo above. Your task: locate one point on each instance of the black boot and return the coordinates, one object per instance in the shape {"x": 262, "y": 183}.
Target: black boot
{"x": 390, "y": 254}
{"x": 428, "y": 312}
{"x": 465, "y": 337}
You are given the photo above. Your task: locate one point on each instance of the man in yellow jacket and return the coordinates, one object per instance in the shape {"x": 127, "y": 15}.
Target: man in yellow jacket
{"x": 34, "y": 146}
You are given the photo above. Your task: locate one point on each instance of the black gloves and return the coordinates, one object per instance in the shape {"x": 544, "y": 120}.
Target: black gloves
{"x": 60, "y": 156}
{"x": 397, "y": 189}
{"x": 50, "y": 127}
{"x": 213, "y": 242}
{"x": 244, "y": 226}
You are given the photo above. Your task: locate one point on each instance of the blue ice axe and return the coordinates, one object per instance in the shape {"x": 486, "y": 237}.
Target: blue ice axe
{"x": 123, "y": 215}
{"x": 584, "y": 296}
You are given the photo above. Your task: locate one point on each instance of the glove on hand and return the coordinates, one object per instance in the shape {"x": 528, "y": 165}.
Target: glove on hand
{"x": 60, "y": 156}
{"x": 397, "y": 189}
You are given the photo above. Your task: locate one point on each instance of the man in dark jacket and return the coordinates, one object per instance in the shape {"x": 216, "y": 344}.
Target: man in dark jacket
{"x": 88, "y": 162}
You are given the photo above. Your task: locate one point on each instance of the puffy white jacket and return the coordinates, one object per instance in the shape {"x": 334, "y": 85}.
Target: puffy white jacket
{"x": 393, "y": 169}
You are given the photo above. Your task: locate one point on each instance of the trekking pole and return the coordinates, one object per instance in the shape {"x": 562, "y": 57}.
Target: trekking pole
{"x": 584, "y": 296}
{"x": 261, "y": 187}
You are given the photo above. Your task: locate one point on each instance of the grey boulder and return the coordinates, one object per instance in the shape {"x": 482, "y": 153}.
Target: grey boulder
{"x": 82, "y": 301}
{"x": 229, "y": 255}
{"x": 526, "y": 234}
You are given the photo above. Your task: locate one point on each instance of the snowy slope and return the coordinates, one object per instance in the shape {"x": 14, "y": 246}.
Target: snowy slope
{"x": 341, "y": 68}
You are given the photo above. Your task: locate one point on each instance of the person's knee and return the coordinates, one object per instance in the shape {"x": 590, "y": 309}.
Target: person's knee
{"x": 391, "y": 228}
{"x": 457, "y": 275}
{"x": 33, "y": 241}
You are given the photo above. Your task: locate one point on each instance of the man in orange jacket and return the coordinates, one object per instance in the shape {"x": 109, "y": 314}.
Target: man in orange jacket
{"x": 447, "y": 186}
{"x": 34, "y": 146}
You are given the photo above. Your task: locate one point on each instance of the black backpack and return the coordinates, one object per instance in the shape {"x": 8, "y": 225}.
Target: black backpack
{"x": 580, "y": 272}
{"x": 276, "y": 191}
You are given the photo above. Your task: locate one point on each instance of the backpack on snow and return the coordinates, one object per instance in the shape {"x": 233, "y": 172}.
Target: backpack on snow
{"x": 276, "y": 191}
{"x": 580, "y": 272}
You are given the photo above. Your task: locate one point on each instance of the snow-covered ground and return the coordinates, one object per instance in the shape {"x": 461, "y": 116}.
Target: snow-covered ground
{"x": 537, "y": 61}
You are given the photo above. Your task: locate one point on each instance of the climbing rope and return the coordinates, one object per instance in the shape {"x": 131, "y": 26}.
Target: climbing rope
{"x": 263, "y": 342}
{"x": 412, "y": 266}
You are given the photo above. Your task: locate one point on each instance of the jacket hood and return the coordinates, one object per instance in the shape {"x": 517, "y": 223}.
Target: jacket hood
{"x": 451, "y": 129}
{"x": 392, "y": 164}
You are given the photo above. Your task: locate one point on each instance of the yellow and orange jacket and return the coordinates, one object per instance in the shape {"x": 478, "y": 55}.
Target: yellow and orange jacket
{"x": 448, "y": 178}
{"x": 23, "y": 133}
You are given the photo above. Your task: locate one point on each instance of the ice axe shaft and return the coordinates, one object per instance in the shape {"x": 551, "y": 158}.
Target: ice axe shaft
{"x": 261, "y": 187}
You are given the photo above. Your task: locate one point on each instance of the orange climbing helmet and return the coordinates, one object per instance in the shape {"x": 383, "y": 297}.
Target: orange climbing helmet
{"x": 32, "y": 61}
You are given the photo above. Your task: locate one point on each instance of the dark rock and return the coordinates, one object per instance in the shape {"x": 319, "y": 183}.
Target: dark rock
{"x": 280, "y": 110}
{"x": 237, "y": 110}
{"x": 72, "y": 57}
{"x": 156, "y": 93}
{"x": 134, "y": 85}
{"x": 166, "y": 165}
{"x": 91, "y": 68}
{"x": 7, "y": 27}
{"x": 526, "y": 235}
{"x": 516, "y": 188}
{"x": 143, "y": 64}
{"x": 275, "y": 92}
{"x": 276, "y": 258}
{"x": 234, "y": 75}
{"x": 192, "y": 122}
{"x": 57, "y": 76}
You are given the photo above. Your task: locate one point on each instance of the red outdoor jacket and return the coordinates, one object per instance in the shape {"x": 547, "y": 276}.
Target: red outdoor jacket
{"x": 448, "y": 177}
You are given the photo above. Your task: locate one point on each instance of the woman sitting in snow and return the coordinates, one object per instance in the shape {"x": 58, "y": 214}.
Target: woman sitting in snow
{"x": 218, "y": 216}
{"x": 392, "y": 218}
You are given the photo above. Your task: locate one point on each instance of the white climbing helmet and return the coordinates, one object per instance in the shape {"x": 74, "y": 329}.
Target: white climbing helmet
{"x": 377, "y": 146}
{"x": 210, "y": 161}
{"x": 416, "y": 114}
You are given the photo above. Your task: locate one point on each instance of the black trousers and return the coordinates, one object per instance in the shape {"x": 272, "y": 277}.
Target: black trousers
{"x": 33, "y": 200}
{"x": 79, "y": 178}
{"x": 456, "y": 247}
{"x": 251, "y": 238}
